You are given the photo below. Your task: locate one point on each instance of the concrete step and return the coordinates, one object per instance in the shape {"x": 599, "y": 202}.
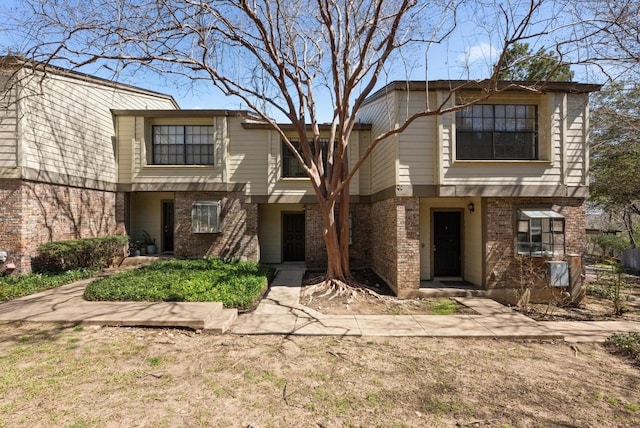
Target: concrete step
{"x": 221, "y": 322}
{"x": 451, "y": 292}
{"x": 193, "y": 315}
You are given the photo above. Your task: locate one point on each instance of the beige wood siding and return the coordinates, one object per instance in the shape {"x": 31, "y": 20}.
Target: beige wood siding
{"x": 575, "y": 139}
{"x": 8, "y": 125}
{"x": 546, "y": 171}
{"x": 146, "y": 214}
{"x": 68, "y": 128}
{"x": 417, "y": 144}
{"x": 125, "y": 127}
{"x": 270, "y": 230}
{"x": 248, "y": 154}
{"x": 277, "y": 186}
{"x": 144, "y": 172}
{"x": 364, "y": 172}
{"x": 382, "y": 115}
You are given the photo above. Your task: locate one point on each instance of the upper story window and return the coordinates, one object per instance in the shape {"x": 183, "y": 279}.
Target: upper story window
{"x": 540, "y": 233}
{"x": 291, "y": 168}
{"x": 182, "y": 145}
{"x": 497, "y": 132}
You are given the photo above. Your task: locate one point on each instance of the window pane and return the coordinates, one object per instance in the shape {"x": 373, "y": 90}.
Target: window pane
{"x": 176, "y": 137}
{"x": 503, "y": 131}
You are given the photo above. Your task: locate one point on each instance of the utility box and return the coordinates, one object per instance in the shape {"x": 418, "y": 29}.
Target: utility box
{"x": 558, "y": 274}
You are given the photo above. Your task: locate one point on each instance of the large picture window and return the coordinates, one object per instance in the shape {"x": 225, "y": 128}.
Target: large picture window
{"x": 497, "y": 132}
{"x": 182, "y": 145}
{"x": 540, "y": 233}
{"x": 205, "y": 217}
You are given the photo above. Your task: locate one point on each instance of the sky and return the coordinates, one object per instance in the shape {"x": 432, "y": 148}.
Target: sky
{"x": 467, "y": 54}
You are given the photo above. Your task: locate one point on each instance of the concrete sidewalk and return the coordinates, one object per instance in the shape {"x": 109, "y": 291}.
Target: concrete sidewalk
{"x": 66, "y": 304}
{"x": 280, "y": 312}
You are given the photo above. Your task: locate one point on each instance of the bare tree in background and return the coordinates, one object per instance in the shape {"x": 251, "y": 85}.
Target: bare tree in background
{"x": 278, "y": 56}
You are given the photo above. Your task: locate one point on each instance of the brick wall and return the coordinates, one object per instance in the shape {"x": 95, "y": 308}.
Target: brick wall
{"x": 239, "y": 225}
{"x": 503, "y": 268}
{"x": 395, "y": 232}
{"x": 35, "y": 213}
{"x": 359, "y": 250}
{"x": 10, "y": 222}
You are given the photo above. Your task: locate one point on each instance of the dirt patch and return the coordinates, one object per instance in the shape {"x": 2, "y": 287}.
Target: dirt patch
{"x": 110, "y": 377}
{"x": 384, "y": 304}
{"x": 596, "y": 308}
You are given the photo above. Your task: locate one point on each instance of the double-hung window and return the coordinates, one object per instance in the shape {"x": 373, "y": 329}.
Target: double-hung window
{"x": 291, "y": 168}
{"x": 182, "y": 144}
{"x": 497, "y": 132}
{"x": 540, "y": 233}
{"x": 205, "y": 217}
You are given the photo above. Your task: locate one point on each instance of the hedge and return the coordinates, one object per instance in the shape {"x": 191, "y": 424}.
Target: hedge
{"x": 85, "y": 253}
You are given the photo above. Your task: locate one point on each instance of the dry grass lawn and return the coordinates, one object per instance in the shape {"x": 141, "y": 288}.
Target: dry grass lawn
{"x": 111, "y": 377}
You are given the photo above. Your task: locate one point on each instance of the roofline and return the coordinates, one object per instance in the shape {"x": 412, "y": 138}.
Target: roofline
{"x": 14, "y": 60}
{"x": 478, "y": 85}
{"x": 308, "y": 127}
{"x": 180, "y": 113}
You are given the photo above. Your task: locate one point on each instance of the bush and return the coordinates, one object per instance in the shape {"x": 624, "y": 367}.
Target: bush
{"x": 86, "y": 253}
{"x": 626, "y": 343}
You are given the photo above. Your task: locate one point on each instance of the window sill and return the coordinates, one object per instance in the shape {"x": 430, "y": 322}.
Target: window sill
{"x": 294, "y": 179}
{"x": 154, "y": 166}
{"x": 501, "y": 162}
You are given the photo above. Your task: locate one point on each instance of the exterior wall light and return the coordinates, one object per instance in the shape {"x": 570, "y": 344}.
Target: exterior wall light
{"x": 471, "y": 207}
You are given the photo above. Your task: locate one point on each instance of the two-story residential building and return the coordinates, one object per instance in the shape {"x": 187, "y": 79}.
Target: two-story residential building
{"x": 57, "y": 155}
{"x": 464, "y": 195}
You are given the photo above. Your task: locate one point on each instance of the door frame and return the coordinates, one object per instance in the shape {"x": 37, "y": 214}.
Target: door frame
{"x": 282, "y": 234}
{"x": 162, "y": 224}
{"x": 432, "y": 240}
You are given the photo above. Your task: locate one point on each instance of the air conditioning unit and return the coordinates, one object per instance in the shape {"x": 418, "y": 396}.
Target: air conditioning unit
{"x": 558, "y": 273}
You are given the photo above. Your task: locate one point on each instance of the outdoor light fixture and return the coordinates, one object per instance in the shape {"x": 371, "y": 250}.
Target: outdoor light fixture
{"x": 471, "y": 207}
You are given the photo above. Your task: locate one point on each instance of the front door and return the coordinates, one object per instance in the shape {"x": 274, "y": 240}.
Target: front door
{"x": 292, "y": 237}
{"x": 167, "y": 225}
{"x": 447, "y": 252}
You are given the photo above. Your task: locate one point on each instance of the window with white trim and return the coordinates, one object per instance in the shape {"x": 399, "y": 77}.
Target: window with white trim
{"x": 541, "y": 233}
{"x": 205, "y": 217}
{"x": 182, "y": 145}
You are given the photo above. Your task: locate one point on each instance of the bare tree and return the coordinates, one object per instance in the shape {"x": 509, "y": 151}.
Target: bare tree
{"x": 279, "y": 56}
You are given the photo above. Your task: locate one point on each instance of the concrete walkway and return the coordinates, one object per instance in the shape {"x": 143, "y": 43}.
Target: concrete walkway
{"x": 281, "y": 313}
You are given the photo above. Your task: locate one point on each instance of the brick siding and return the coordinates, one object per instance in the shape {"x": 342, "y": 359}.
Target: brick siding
{"x": 239, "y": 225}
{"x": 503, "y": 268}
{"x": 395, "y": 239}
{"x": 359, "y": 250}
{"x": 34, "y": 213}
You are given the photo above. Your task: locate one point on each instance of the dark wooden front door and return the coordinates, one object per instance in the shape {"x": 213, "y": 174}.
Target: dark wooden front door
{"x": 167, "y": 225}
{"x": 292, "y": 237}
{"x": 446, "y": 243}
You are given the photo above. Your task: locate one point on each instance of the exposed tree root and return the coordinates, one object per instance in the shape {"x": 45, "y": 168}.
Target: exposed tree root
{"x": 333, "y": 288}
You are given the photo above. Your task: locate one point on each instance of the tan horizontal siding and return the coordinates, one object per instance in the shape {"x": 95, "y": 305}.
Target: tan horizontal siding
{"x": 69, "y": 127}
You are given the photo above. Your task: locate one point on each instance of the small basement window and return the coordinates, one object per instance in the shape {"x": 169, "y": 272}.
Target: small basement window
{"x": 541, "y": 233}
{"x": 205, "y": 217}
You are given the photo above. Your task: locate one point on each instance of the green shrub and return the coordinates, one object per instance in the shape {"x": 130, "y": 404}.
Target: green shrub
{"x": 235, "y": 284}
{"x": 626, "y": 343}
{"x": 86, "y": 253}
{"x": 12, "y": 287}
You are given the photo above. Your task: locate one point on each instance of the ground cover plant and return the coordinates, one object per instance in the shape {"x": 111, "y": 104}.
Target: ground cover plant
{"x": 12, "y": 287}
{"x": 626, "y": 343}
{"x": 235, "y": 284}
